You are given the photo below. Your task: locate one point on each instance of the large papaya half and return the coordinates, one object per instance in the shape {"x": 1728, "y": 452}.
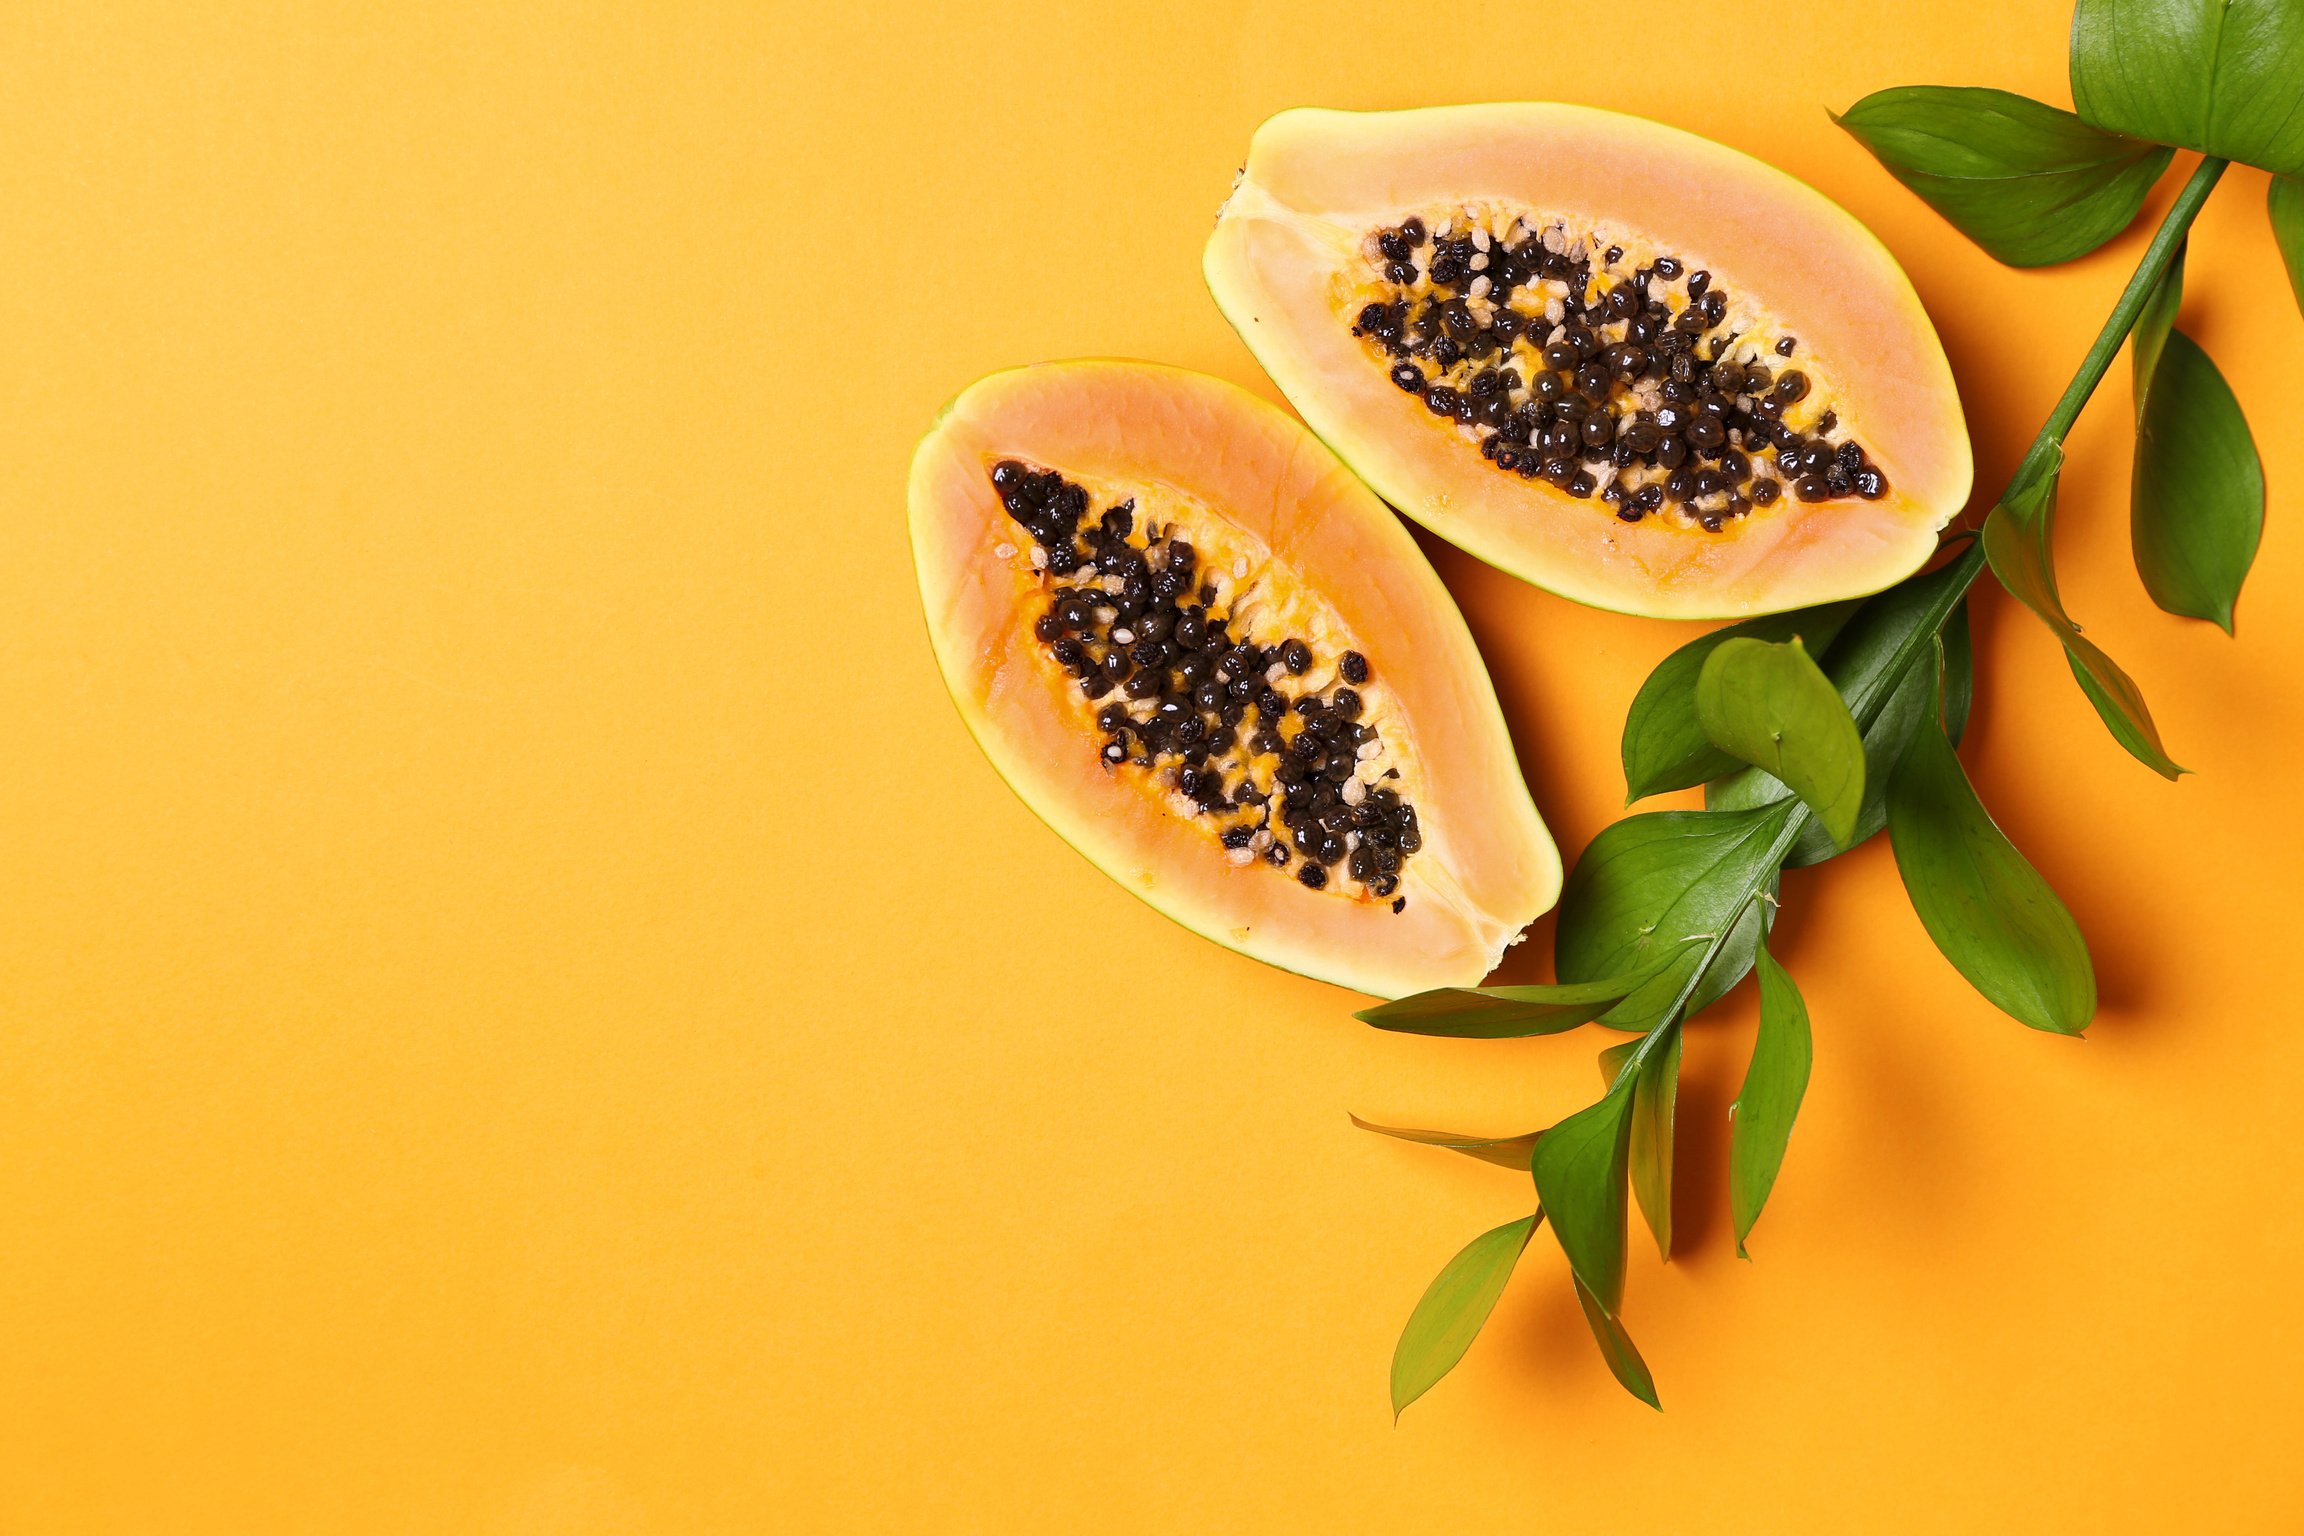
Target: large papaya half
{"x": 1219, "y": 667}
{"x": 1620, "y": 361}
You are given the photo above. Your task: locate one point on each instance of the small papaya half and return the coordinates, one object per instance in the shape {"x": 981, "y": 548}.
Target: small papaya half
{"x": 1212, "y": 661}
{"x": 1620, "y": 361}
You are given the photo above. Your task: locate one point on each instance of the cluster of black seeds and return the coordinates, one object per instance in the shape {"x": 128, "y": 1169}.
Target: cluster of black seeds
{"x": 1632, "y": 386}
{"x": 1287, "y": 773}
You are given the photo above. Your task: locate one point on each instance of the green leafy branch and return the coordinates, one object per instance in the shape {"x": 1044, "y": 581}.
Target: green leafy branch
{"x": 1810, "y": 732}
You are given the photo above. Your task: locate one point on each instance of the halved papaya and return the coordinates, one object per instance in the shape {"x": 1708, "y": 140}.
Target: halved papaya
{"x": 1219, "y": 667}
{"x": 1620, "y": 361}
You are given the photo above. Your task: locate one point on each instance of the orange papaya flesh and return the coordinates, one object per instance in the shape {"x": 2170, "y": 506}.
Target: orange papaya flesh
{"x": 1620, "y": 361}
{"x": 1218, "y": 666}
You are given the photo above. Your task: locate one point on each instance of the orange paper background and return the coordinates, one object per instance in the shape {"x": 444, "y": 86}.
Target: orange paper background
{"x": 524, "y": 1012}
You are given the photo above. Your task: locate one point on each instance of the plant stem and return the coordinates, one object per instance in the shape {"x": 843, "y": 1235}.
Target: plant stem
{"x": 2173, "y": 227}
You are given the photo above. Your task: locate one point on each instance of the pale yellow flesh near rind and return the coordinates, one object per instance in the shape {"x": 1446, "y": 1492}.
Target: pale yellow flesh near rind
{"x": 1318, "y": 182}
{"x": 1487, "y": 868}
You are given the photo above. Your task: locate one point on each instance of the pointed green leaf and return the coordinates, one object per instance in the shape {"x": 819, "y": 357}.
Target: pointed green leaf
{"x": 1761, "y": 1118}
{"x": 1579, "y": 1169}
{"x": 2196, "y": 504}
{"x": 2218, "y": 76}
{"x": 1649, "y": 887}
{"x": 1665, "y": 747}
{"x": 1510, "y": 1152}
{"x": 1773, "y": 707}
{"x": 2016, "y": 539}
{"x": 2196, "y": 500}
{"x": 2285, "y": 203}
{"x": 1959, "y": 655}
{"x": 1655, "y": 1094}
{"x": 1454, "y": 1306}
{"x": 1624, "y": 1361}
{"x": 1988, "y": 909}
{"x": 2029, "y": 182}
{"x": 1502, "y": 1013}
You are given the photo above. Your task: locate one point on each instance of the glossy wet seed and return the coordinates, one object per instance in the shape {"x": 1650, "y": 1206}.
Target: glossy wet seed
{"x": 1603, "y": 378}
{"x": 1148, "y": 637}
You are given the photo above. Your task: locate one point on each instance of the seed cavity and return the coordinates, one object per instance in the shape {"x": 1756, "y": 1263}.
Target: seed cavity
{"x": 1242, "y": 725}
{"x": 1633, "y": 380}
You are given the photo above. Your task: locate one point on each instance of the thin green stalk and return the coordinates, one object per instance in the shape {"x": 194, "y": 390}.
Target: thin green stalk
{"x": 2173, "y": 227}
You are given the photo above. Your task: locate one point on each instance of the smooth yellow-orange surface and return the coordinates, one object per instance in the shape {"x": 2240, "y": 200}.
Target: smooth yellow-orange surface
{"x": 525, "y": 1012}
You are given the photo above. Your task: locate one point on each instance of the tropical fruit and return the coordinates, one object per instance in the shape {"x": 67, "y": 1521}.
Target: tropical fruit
{"x": 1219, "y": 667}
{"x": 1623, "y": 362}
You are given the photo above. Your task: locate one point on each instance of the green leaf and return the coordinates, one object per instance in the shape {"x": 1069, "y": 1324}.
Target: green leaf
{"x": 2285, "y": 203}
{"x": 1655, "y": 1093}
{"x": 1731, "y": 965}
{"x": 1454, "y": 1307}
{"x": 2218, "y": 76}
{"x": 2153, "y": 325}
{"x": 1914, "y": 700}
{"x": 1510, "y": 1152}
{"x": 1624, "y": 1361}
{"x": 1734, "y": 962}
{"x": 1774, "y": 1083}
{"x": 1856, "y": 666}
{"x": 1665, "y": 747}
{"x": 2029, "y": 182}
{"x": 1650, "y": 884}
{"x": 2196, "y": 503}
{"x": 1988, "y": 910}
{"x": 2017, "y": 537}
{"x": 1770, "y": 705}
{"x": 1502, "y": 1013}
{"x": 1959, "y": 677}
{"x": 1579, "y": 1169}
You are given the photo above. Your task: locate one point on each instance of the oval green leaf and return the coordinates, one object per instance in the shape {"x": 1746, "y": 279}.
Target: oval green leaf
{"x": 1501, "y": 1013}
{"x": 1624, "y": 1362}
{"x": 2029, "y": 182}
{"x": 1665, "y": 747}
{"x": 1454, "y": 1307}
{"x": 2285, "y": 204}
{"x": 1510, "y": 1152}
{"x": 2196, "y": 502}
{"x": 1770, "y": 705}
{"x": 2017, "y": 536}
{"x": 1865, "y": 644}
{"x": 1579, "y": 1168}
{"x": 1988, "y": 909}
{"x": 2218, "y": 76}
{"x": 1650, "y": 892}
{"x": 1774, "y": 1083}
